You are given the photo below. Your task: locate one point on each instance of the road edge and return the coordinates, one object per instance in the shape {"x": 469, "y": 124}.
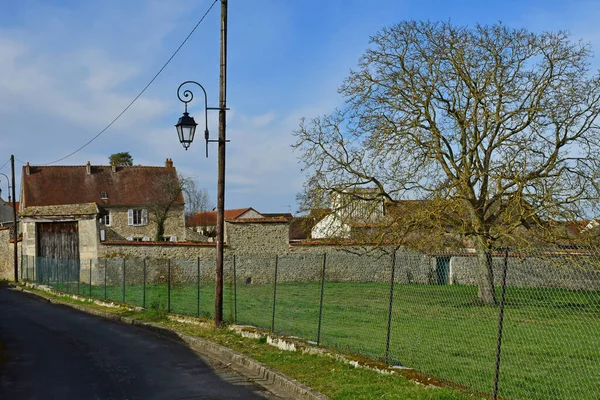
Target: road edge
{"x": 273, "y": 381}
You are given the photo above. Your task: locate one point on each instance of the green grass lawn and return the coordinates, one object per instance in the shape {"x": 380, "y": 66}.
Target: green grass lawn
{"x": 551, "y": 342}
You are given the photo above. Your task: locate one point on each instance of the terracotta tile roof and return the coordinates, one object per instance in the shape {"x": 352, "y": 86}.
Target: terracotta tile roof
{"x": 287, "y": 216}
{"x": 300, "y": 227}
{"x": 56, "y": 185}
{"x": 209, "y": 218}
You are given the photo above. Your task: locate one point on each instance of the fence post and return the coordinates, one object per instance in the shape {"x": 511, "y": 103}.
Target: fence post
{"x": 123, "y": 283}
{"x": 90, "y": 277}
{"x": 168, "y": 285}
{"x": 105, "y": 268}
{"x": 144, "y": 286}
{"x": 78, "y": 274}
{"x": 391, "y": 303}
{"x": 234, "y": 292}
{"x": 321, "y": 300}
{"x": 274, "y": 295}
{"x": 198, "y": 286}
{"x": 500, "y": 323}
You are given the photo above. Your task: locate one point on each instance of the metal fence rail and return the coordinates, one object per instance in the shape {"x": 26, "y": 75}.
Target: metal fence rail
{"x": 410, "y": 309}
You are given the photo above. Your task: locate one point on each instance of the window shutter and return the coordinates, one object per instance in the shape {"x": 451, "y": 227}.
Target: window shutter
{"x": 130, "y": 217}
{"x": 144, "y": 217}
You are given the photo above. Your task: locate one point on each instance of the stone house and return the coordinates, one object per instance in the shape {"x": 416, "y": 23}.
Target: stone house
{"x": 67, "y": 211}
{"x": 205, "y": 222}
{"x": 349, "y": 209}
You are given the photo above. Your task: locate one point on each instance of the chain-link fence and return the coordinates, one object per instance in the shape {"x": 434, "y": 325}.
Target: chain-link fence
{"x": 536, "y": 337}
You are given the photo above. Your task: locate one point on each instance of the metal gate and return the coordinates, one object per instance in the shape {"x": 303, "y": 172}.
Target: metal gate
{"x": 57, "y": 252}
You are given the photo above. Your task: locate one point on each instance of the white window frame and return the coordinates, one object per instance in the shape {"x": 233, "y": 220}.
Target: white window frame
{"x": 137, "y": 217}
{"x": 106, "y": 218}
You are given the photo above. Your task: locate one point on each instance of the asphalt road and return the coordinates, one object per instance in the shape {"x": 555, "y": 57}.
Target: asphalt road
{"x": 55, "y": 352}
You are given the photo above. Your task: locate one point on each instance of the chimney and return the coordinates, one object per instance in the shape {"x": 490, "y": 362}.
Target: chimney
{"x": 169, "y": 163}
{"x": 113, "y": 166}
{"x": 27, "y": 169}
{"x": 88, "y": 168}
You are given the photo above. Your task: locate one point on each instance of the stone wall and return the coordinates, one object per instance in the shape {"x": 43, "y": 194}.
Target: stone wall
{"x": 257, "y": 247}
{"x": 157, "y": 250}
{"x": 576, "y": 272}
{"x": 6, "y": 256}
{"x": 257, "y": 236}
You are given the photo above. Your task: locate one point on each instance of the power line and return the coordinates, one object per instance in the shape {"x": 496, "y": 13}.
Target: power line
{"x": 4, "y": 165}
{"x": 140, "y": 94}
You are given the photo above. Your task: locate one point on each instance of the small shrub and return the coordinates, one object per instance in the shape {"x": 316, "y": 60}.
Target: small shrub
{"x": 157, "y": 311}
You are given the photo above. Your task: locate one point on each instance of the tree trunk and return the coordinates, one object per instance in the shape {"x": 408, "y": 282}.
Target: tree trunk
{"x": 486, "y": 291}
{"x": 160, "y": 230}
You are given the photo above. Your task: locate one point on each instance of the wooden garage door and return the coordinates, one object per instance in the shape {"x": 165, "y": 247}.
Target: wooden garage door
{"x": 58, "y": 240}
{"x": 57, "y": 258}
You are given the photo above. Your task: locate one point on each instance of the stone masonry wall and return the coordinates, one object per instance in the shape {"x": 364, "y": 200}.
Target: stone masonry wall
{"x": 6, "y": 256}
{"x": 258, "y": 237}
{"x": 258, "y": 247}
{"x": 578, "y": 272}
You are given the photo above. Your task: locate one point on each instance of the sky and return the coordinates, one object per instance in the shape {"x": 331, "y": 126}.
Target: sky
{"x": 68, "y": 68}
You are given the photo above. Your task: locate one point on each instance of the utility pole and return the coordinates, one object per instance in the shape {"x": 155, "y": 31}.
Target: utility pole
{"x": 15, "y": 226}
{"x": 221, "y": 169}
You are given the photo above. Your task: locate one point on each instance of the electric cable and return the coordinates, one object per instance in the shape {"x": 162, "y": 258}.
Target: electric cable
{"x": 139, "y": 95}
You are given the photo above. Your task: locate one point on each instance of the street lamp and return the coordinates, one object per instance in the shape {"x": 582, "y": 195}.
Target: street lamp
{"x": 186, "y": 129}
{"x": 186, "y": 126}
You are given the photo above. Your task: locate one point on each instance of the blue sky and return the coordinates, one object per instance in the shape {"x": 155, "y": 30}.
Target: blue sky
{"x": 67, "y": 68}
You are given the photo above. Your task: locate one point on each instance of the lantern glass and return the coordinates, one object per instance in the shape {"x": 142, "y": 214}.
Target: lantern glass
{"x": 186, "y": 128}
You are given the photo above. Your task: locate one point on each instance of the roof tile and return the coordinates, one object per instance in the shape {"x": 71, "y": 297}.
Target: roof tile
{"x": 129, "y": 185}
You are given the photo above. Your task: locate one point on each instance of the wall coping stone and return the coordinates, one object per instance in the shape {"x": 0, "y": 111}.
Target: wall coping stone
{"x": 258, "y": 221}
{"x": 150, "y": 243}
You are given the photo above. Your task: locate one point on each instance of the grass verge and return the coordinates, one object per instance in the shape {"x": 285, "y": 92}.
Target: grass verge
{"x": 334, "y": 378}
{"x": 549, "y": 348}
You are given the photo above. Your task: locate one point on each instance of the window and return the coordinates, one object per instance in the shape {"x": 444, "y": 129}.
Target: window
{"x": 137, "y": 217}
{"x": 104, "y": 195}
{"x": 106, "y": 218}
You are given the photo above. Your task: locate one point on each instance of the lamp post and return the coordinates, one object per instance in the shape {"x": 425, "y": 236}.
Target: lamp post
{"x": 186, "y": 129}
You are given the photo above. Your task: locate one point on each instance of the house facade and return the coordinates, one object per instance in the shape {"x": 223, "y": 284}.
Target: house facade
{"x": 205, "y": 222}
{"x": 349, "y": 209}
{"x": 67, "y": 211}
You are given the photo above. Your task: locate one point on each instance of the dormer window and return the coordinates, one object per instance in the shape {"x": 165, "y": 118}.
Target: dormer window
{"x": 104, "y": 196}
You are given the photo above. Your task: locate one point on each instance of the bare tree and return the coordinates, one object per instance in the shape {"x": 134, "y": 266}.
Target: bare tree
{"x": 196, "y": 199}
{"x": 495, "y": 128}
{"x": 167, "y": 194}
